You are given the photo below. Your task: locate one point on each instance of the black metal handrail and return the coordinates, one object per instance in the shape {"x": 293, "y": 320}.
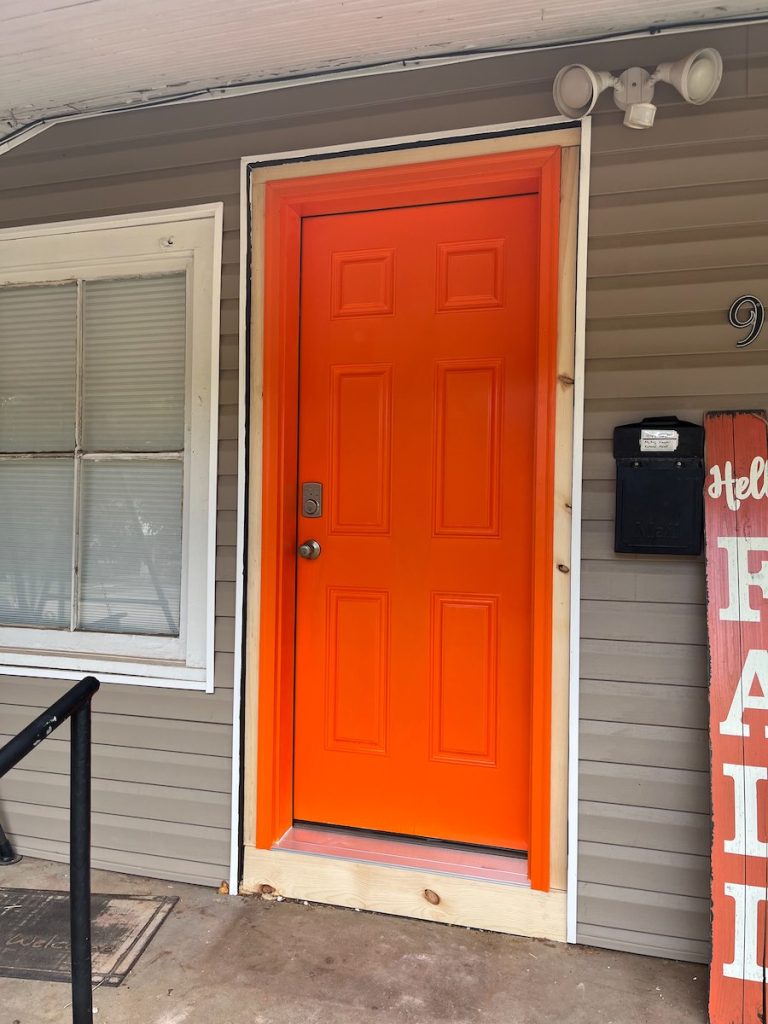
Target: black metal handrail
{"x": 76, "y": 704}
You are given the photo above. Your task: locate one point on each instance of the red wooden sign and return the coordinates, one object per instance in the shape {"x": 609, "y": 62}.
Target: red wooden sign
{"x": 736, "y": 516}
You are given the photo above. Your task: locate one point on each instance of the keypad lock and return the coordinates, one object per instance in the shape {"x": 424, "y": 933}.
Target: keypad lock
{"x": 312, "y": 500}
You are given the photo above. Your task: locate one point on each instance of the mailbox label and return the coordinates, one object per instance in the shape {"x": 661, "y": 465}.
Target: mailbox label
{"x": 659, "y": 440}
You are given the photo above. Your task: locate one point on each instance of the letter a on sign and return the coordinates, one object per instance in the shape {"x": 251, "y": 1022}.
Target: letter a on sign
{"x": 736, "y": 518}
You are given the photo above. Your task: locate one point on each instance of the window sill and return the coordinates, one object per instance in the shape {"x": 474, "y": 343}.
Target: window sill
{"x": 172, "y": 675}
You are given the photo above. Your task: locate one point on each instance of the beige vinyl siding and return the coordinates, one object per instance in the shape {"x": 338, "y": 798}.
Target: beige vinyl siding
{"x": 679, "y": 227}
{"x": 161, "y": 758}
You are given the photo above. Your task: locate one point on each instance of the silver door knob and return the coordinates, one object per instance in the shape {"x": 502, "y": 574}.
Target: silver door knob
{"x": 309, "y": 549}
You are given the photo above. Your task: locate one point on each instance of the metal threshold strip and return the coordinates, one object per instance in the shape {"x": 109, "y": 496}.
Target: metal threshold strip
{"x": 352, "y": 844}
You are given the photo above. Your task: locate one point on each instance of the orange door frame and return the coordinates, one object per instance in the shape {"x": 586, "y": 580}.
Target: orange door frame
{"x": 286, "y": 202}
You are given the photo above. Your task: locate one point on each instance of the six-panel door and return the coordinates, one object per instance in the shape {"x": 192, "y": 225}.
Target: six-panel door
{"x": 417, "y": 406}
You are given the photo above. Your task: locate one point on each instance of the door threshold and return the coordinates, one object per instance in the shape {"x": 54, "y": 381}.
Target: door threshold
{"x": 349, "y": 844}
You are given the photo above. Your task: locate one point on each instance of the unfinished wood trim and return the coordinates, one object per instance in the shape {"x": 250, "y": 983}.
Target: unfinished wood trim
{"x": 252, "y": 554}
{"x": 539, "y": 846}
{"x": 561, "y": 526}
{"x": 406, "y": 157}
{"x": 471, "y": 902}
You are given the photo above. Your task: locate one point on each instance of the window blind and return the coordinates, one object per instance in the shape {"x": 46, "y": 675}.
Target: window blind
{"x": 103, "y": 520}
{"x": 134, "y": 344}
{"x": 130, "y": 544}
{"x": 38, "y": 345}
{"x": 36, "y": 542}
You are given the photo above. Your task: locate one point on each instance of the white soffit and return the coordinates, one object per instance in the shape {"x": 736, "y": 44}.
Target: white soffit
{"x": 73, "y": 56}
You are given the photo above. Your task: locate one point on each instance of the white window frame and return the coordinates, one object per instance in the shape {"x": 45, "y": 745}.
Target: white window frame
{"x": 186, "y": 240}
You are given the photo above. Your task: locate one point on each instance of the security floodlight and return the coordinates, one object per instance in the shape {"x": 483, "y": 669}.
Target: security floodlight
{"x": 696, "y": 77}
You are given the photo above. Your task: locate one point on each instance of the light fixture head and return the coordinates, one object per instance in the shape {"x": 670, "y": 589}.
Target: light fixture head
{"x": 576, "y": 89}
{"x": 696, "y": 77}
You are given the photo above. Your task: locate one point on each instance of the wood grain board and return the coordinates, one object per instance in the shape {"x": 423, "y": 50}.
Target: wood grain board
{"x": 736, "y": 512}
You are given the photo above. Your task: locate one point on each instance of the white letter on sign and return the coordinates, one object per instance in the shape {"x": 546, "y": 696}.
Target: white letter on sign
{"x": 755, "y": 667}
{"x": 745, "y": 779}
{"x": 744, "y": 964}
{"x": 740, "y": 579}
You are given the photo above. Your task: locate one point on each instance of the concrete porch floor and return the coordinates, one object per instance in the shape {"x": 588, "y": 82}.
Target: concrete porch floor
{"x": 242, "y": 960}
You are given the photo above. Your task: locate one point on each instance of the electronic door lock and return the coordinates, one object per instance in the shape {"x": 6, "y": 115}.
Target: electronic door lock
{"x": 312, "y": 500}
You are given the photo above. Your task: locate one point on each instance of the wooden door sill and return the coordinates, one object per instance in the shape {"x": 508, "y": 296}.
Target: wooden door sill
{"x": 345, "y": 877}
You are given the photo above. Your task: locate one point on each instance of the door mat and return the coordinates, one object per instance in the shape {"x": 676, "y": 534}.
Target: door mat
{"x": 34, "y": 933}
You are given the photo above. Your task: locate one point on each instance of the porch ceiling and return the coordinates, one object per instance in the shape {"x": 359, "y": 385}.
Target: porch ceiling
{"x": 66, "y": 56}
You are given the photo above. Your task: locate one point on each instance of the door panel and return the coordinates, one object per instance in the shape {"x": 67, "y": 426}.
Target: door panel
{"x": 417, "y": 404}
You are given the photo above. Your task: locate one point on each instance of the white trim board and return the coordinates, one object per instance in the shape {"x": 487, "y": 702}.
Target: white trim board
{"x": 235, "y": 841}
{"x": 582, "y": 243}
{"x": 124, "y": 220}
{"x": 373, "y": 146}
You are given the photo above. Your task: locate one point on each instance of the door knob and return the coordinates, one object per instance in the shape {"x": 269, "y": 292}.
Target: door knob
{"x": 309, "y": 549}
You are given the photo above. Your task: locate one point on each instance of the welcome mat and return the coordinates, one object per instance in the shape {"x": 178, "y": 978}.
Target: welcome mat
{"x": 34, "y": 933}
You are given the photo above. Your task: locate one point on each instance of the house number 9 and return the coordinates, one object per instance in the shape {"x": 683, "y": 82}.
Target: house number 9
{"x": 747, "y": 312}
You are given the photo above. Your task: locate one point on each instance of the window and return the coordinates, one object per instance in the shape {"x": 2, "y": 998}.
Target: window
{"x": 108, "y": 368}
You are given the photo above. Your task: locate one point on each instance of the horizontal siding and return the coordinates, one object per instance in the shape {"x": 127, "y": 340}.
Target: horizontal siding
{"x": 639, "y": 580}
{"x": 617, "y": 905}
{"x": 196, "y": 772}
{"x": 644, "y": 828}
{"x": 637, "y": 785}
{"x": 645, "y": 661}
{"x": 678, "y": 229}
{"x": 114, "y": 831}
{"x": 154, "y": 802}
{"x": 685, "y": 874}
{"x": 661, "y": 945}
{"x": 134, "y": 731}
{"x": 161, "y": 758}
{"x": 636, "y": 744}
{"x": 666, "y": 622}
{"x": 659, "y": 704}
{"x": 134, "y": 845}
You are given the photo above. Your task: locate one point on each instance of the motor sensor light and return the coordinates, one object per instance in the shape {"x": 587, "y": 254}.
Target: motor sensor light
{"x": 696, "y": 77}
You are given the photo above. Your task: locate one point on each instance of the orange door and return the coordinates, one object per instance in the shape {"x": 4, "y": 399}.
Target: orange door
{"x": 413, "y": 636}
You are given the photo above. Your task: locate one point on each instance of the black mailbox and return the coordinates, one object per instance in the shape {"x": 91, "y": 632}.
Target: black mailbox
{"x": 659, "y": 487}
